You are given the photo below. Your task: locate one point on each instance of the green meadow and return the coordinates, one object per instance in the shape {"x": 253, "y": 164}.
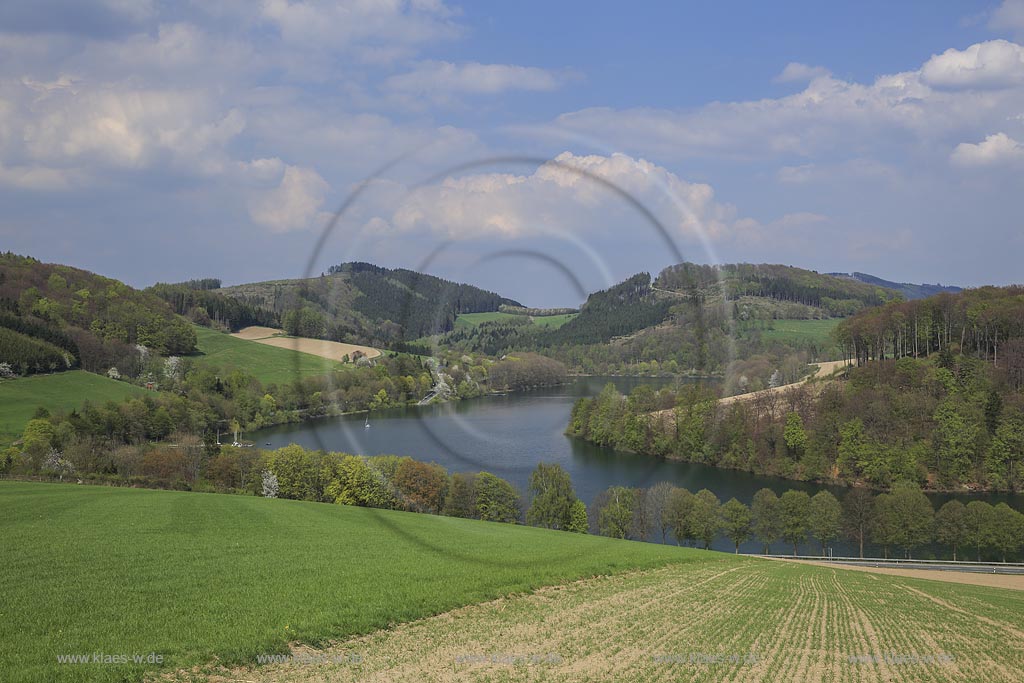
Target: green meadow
{"x": 796, "y": 331}
{"x": 192, "y": 577}
{"x": 467, "y": 320}
{"x": 62, "y": 391}
{"x": 269, "y": 364}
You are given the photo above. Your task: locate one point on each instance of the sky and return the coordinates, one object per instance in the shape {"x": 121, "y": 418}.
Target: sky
{"x": 539, "y": 149}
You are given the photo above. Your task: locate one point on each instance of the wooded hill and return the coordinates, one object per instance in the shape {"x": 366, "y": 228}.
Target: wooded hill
{"x": 837, "y": 296}
{"x": 55, "y": 317}
{"x": 907, "y": 289}
{"x": 364, "y": 303}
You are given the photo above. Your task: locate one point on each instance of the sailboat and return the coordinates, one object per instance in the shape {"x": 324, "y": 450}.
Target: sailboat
{"x": 366, "y": 425}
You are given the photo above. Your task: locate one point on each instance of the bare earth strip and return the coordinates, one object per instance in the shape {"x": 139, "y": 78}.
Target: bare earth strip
{"x": 720, "y": 619}
{"x": 330, "y": 350}
{"x": 825, "y": 369}
{"x": 1012, "y": 581}
{"x": 256, "y": 332}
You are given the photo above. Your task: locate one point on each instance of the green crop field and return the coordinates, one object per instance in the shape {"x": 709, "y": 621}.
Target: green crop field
{"x": 269, "y": 364}
{"x": 467, "y": 320}
{"x": 192, "y": 577}
{"x": 63, "y": 391}
{"x": 721, "y": 619}
{"x": 818, "y": 331}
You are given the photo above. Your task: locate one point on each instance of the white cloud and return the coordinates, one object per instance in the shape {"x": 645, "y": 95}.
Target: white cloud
{"x": 902, "y": 113}
{"x": 562, "y": 197}
{"x": 294, "y": 203}
{"x": 992, "y": 64}
{"x": 994, "y": 150}
{"x": 442, "y": 78}
{"x": 795, "y": 72}
{"x": 1009, "y": 16}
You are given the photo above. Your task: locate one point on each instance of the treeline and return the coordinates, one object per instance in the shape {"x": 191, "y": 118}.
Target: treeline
{"x": 96, "y": 320}
{"x": 525, "y": 371}
{"x": 199, "y": 301}
{"x": 903, "y": 519}
{"x": 839, "y": 296}
{"x": 986, "y": 323}
{"x": 941, "y": 426}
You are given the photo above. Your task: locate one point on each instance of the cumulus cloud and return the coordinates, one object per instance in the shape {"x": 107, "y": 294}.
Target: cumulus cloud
{"x": 444, "y": 78}
{"x": 795, "y": 72}
{"x": 958, "y": 91}
{"x": 992, "y": 64}
{"x": 994, "y": 150}
{"x": 563, "y": 196}
{"x": 294, "y": 203}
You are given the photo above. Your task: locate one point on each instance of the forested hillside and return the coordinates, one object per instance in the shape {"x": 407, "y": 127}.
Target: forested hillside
{"x": 954, "y": 418}
{"x": 55, "y": 317}
{"x": 907, "y": 289}
{"x": 200, "y": 302}
{"x": 987, "y": 323}
{"x": 368, "y": 304}
{"x": 837, "y": 296}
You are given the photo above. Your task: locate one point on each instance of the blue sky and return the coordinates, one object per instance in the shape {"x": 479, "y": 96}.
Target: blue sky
{"x": 162, "y": 141}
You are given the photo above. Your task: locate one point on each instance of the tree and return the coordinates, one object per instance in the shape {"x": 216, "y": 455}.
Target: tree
{"x": 37, "y": 440}
{"x": 461, "y": 500}
{"x": 956, "y": 435}
{"x": 615, "y": 516}
{"x": 578, "y": 518}
{"x": 553, "y": 497}
{"x": 496, "y": 499}
{"x": 795, "y": 509}
{"x": 858, "y": 509}
{"x": 270, "y": 486}
{"x": 1003, "y": 460}
{"x": 657, "y": 503}
{"x": 978, "y": 519}
{"x": 825, "y": 518}
{"x": 794, "y": 435}
{"x": 680, "y": 508}
{"x": 736, "y": 520}
{"x": 421, "y": 486}
{"x": 705, "y": 519}
{"x": 1007, "y": 529}
{"x": 914, "y": 516}
{"x": 951, "y": 525}
{"x": 883, "y": 523}
{"x": 766, "y": 520}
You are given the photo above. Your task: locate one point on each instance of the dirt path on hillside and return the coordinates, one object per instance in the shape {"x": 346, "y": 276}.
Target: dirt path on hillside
{"x": 825, "y": 369}
{"x": 330, "y": 350}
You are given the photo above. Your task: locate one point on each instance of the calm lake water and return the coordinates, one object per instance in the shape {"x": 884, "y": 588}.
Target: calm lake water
{"x": 508, "y": 435}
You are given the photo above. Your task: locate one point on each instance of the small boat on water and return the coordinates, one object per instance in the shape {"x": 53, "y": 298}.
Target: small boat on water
{"x": 366, "y": 425}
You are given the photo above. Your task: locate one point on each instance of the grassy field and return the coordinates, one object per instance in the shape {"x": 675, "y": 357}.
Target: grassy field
{"x": 467, "y": 320}
{"x": 818, "y": 331}
{"x": 19, "y": 398}
{"x": 269, "y": 364}
{"x": 193, "y": 577}
{"x": 722, "y": 619}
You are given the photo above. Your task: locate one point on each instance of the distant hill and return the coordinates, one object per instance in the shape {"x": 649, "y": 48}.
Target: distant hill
{"x": 365, "y": 303}
{"x": 908, "y": 290}
{"x": 55, "y": 317}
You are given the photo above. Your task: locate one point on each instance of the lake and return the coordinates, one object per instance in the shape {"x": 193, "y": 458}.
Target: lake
{"x": 509, "y": 434}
